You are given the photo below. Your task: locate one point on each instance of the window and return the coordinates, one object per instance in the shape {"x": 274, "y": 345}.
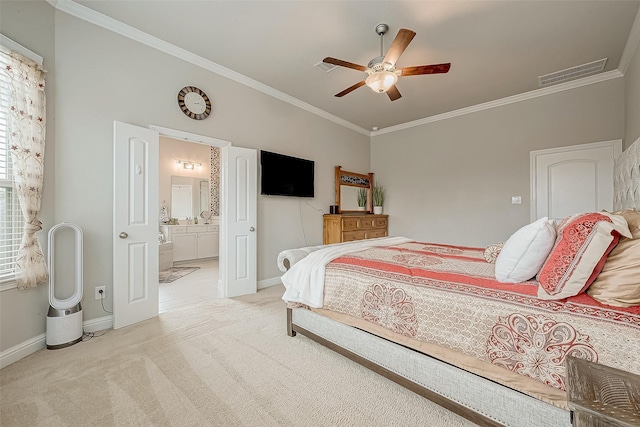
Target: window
{"x": 11, "y": 220}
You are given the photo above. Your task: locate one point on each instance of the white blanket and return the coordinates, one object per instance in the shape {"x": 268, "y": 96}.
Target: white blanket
{"x": 289, "y": 257}
{"x": 304, "y": 282}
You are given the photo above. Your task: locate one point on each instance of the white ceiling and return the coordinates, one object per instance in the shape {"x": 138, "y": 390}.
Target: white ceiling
{"x": 497, "y": 48}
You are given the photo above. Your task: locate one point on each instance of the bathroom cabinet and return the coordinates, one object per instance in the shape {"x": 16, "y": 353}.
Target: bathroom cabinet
{"x": 193, "y": 242}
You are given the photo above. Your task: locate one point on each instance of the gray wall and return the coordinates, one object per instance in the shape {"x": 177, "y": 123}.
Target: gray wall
{"x": 451, "y": 181}
{"x": 23, "y": 313}
{"x": 632, "y": 100}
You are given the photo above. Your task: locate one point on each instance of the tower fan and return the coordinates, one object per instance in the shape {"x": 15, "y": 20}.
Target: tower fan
{"x": 64, "y": 319}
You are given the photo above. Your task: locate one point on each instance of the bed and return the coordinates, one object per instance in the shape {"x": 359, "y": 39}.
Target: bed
{"x": 433, "y": 318}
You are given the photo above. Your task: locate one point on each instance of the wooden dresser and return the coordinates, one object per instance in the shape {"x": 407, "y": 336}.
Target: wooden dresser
{"x": 348, "y": 227}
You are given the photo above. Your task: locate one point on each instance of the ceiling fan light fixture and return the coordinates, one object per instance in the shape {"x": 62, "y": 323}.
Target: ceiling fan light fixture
{"x": 381, "y": 81}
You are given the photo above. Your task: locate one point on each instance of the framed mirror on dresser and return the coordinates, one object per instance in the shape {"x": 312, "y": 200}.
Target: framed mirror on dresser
{"x": 351, "y": 222}
{"x": 348, "y": 184}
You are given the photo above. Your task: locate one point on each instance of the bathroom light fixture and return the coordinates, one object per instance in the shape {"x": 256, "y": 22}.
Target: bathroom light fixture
{"x": 186, "y": 164}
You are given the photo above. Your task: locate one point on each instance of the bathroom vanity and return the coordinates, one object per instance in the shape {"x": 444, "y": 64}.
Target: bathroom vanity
{"x": 193, "y": 241}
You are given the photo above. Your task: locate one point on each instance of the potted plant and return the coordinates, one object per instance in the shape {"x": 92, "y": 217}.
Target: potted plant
{"x": 378, "y": 198}
{"x": 362, "y": 199}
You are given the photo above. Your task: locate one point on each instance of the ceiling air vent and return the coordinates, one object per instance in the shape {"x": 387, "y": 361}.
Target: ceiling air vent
{"x": 325, "y": 67}
{"x": 572, "y": 73}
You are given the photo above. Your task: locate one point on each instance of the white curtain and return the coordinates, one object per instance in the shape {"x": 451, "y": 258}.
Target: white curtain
{"x": 26, "y": 134}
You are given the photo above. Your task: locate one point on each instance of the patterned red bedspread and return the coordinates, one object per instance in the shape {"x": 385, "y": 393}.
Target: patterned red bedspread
{"x": 448, "y": 295}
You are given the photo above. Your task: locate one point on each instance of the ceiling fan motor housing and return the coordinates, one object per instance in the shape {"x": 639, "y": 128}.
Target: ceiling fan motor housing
{"x": 376, "y": 64}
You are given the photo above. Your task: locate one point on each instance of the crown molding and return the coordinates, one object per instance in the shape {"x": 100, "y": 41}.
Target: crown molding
{"x": 609, "y": 75}
{"x": 631, "y": 46}
{"x": 89, "y": 15}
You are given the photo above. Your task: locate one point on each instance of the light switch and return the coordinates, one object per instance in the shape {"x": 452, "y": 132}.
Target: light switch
{"x": 516, "y": 200}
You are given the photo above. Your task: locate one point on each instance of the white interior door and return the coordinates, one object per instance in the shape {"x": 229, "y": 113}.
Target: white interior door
{"x": 135, "y": 224}
{"x": 238, "y": 219}
{"x": 573, "y": 179}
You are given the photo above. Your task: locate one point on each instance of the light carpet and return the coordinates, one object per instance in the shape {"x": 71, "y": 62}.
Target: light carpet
{"x": 174, "y": 273}
{"x": 223, "y": 362}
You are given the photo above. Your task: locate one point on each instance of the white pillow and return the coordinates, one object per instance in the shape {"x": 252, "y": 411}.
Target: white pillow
{"x": 526, "y": 250}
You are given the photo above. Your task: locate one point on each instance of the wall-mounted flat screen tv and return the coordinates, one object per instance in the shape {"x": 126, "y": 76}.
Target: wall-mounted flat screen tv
{"x": 285, "y": 175}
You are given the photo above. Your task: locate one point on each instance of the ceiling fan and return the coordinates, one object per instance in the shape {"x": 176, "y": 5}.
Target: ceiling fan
{"x": 382, "y": 71}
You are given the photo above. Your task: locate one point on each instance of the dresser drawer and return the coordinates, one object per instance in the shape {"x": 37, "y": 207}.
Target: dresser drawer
{"x": 380, "y": 223}
{"x": 350, "y": 224}
{"x": 350, "y": 236}
{"x": 372, "y": 234}
{"x": 366, "y": 223}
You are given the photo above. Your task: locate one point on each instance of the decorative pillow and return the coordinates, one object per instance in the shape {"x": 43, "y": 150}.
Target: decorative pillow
{"x": 492, "y": 251}
{"x": 525, "y": 251}
{"x": 618, "y": 283}
{"x": 581, "y": 249}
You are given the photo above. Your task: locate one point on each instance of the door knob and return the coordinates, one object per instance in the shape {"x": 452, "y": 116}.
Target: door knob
{"x": 252, "y": 229}
{"x": 123, "y": 235}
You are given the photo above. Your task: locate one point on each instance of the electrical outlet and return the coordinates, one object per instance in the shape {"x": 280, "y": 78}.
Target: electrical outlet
{"x": 104, "y": 291}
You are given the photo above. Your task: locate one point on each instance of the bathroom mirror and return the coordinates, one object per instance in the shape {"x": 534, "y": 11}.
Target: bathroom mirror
{"x": 347, "y": 186}
{"x": 189, "y": 196}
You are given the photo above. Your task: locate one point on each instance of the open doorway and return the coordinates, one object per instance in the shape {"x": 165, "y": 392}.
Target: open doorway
{"x": 136, "y": 220}
{"x": 189, "y": 196}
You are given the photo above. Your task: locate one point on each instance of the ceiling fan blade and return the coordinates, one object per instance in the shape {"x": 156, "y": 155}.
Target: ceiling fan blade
{"x": 425, "y": 69}
{"x": 398, "y": 46}
{"x": 342, "y": 63}
{"x": 394, "y": 93}
{"x": 350, "y": 89}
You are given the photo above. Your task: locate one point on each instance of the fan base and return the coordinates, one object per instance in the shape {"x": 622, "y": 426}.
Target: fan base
{"x": 381, "y": 29}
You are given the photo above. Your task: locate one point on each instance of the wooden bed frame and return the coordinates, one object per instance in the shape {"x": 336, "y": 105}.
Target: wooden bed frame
{"x": 471, "y": 396}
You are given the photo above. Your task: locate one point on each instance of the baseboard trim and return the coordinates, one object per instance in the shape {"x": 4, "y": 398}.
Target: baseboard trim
{"x": 22, "y": 350}
{"x": 26, "y": 348}
{"x": 99, "y": 324}
{"x": 266, "y": 283}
